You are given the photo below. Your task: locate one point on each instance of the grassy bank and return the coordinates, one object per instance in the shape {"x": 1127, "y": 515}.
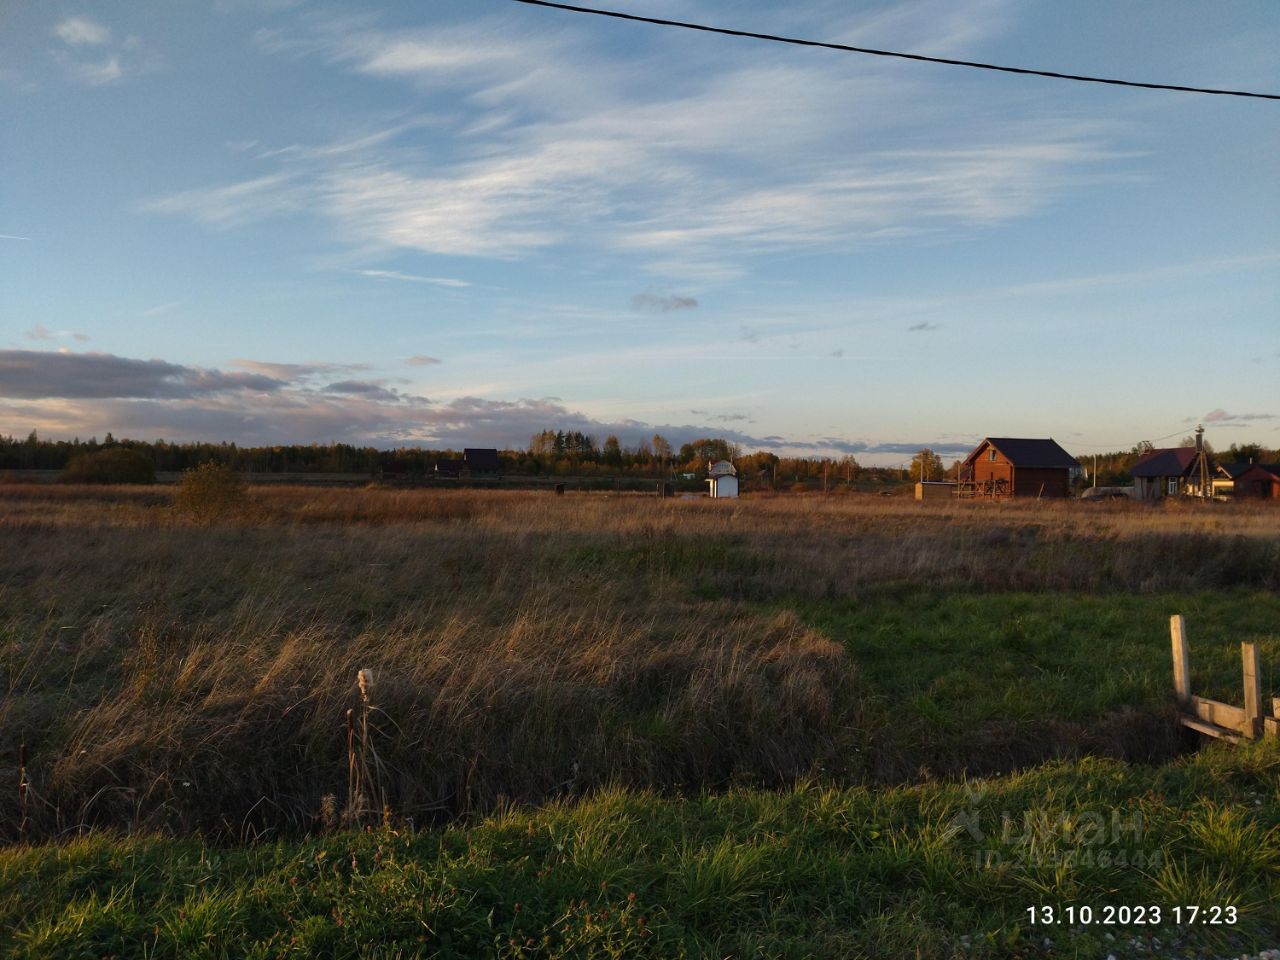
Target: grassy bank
{"x": 930, "y": 870}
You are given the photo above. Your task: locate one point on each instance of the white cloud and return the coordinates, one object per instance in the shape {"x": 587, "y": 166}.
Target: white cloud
{"x": 236, "y": 203}
{"x": 96, "y": 74}
{"x": 109, "y": 59}
{"x": 413, "y": 278}
{"x": 81, "y": 31}
{"x": 160, "y": 309}
{"x": 749, "y": 154}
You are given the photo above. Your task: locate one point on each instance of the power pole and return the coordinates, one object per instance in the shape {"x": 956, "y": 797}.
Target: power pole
{"x": 1201, "y": 462}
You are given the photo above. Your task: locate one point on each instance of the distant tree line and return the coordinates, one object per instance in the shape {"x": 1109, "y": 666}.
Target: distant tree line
{"x": 550, "y": 453}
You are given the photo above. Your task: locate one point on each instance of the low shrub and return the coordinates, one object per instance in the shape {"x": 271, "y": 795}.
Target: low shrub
{"x": 113, "y": 465}
{"x": 209, "y": 492}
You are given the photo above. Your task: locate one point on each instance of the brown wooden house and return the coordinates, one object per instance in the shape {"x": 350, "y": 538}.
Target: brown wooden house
{"x": 1260, "y": 480}
{"x": 1002, "y": 467}
{"x": 1166, "y": 472}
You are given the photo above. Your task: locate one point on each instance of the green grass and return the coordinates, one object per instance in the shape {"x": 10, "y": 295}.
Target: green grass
{"x": 1072, "y": 672}
{"x": 929, "y": 870}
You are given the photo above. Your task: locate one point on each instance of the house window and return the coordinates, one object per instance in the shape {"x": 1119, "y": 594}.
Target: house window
{"x": 992, "y": 455}
{"x": 1173, "y": 486}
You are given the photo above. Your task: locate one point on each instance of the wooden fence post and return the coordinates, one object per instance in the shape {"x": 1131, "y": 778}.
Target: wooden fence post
{"x": 1181, "y": 661}
{"x": 1252, "y": 691}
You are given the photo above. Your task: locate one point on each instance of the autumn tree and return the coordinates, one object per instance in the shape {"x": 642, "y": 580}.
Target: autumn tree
{"x": 611, "y": 452}
{"x": 926, "y": 465}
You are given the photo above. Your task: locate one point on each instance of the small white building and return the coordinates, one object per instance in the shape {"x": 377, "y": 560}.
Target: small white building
{"x": 722, "y": 479}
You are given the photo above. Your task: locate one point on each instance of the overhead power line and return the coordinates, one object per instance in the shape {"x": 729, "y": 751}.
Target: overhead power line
{"x": 657, "y": 21}
{"x": 1122, "y": 446}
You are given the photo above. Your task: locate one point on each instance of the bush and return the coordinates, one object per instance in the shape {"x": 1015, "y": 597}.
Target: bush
{"x": 211, "y": 491}
{"x": 113, "y": 465}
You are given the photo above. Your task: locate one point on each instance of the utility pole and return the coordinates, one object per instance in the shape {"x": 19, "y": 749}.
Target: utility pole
{"x": 1201, "y": 462}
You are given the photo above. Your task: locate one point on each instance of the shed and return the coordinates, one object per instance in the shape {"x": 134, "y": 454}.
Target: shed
{"x": 935, "y": 490}
{"x": 723, "y": 480}
{"x": 1002, "y": 467}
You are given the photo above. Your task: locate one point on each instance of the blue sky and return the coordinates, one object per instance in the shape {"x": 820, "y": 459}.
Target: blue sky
{"x": 458, "y": 223}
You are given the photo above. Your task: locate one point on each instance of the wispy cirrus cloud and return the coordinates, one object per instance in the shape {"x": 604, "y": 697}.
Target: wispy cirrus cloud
{"x": 413, "y": 278}
{"x": 677, "y": 176}
{"x": 160, "y": 309}
{"x": 91, "y": 53}
{"x": 237, "y": 203}
{"x": 422, "y": 360}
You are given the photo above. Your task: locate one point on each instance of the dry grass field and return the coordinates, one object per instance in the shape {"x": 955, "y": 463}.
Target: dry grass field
{"x": 194, "y": 676}
{"x": 568, "y": 694}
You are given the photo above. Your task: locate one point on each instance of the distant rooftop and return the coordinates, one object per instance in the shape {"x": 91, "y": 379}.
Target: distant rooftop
{"x": 1167, "y": 462}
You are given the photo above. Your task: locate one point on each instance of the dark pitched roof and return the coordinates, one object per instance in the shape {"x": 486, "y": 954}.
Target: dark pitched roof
{"x": 1022, "y": 452}
{"x": 1234, "y": 470}
{"x": 1168, "y": 462}
{"x": 481, "y": 458}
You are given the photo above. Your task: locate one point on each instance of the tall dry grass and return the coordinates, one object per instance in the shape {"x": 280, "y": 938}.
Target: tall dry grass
{"x": 180, "y": 676}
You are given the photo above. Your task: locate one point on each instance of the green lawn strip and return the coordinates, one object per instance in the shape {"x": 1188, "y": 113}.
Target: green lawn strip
{"x": 945, "y": 868}
{"x": 945, "y": 667}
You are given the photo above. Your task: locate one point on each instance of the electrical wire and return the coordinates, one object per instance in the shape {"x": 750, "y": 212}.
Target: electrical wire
{"x": 845, "y": 48}
{"x": 1117, "y": 447}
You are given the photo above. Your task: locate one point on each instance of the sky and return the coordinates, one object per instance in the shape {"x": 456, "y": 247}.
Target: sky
{"x": 449, "y": 223}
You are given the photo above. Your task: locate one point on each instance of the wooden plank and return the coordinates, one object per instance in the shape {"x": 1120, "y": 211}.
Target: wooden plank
{"x": 1275, "y": 707}
{"x": 1181, "y": 659}
{"x": 1218, "y": 713}
{"x": 1252, "y": 726}
{"x": 1271, "y": 728}
{"x": 1209, "y": 729}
